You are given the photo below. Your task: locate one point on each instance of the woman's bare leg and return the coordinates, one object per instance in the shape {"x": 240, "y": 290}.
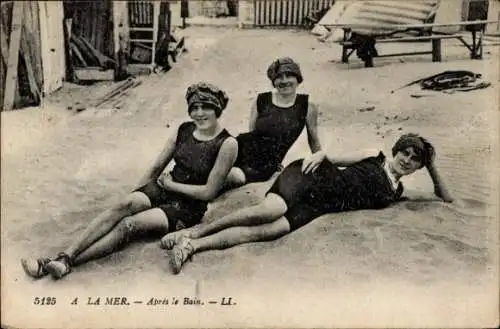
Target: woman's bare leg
{"x": 97, "y": 229}
{"x": 270, "y": 209}
{"x": 235, "y": 178}
{"x": 228, "y": 238}
{"x": 151, "y": 221}
{"x": 104, "y": 222}
{"x": 234, "y": 236}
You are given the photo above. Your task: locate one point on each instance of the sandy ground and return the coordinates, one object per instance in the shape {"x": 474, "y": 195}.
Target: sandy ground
{"x": 415, "y": 264}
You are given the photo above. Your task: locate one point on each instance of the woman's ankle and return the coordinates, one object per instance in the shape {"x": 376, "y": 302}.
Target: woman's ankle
{"x": 65, "y": 258}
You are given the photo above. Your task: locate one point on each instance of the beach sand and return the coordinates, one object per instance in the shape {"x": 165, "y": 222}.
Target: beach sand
{"x": 412, "y": 265}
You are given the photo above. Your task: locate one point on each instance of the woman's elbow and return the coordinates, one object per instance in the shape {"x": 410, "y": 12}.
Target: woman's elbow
{"x": 208, "y": 194}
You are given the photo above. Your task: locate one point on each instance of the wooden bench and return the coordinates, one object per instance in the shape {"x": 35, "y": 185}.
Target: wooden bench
{"x": 348, "y": 50}
{"x": 476, "y": 28}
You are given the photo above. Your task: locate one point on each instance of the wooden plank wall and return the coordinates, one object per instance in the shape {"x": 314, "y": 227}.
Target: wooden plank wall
{"x": 29, "y": 80}
{"x": 93, "y": 20}
{"x": 31, "y": 33}
{"x": 286, "y": 12}
{"x": 6, "y": 22}
{"x": 140, "y": 13}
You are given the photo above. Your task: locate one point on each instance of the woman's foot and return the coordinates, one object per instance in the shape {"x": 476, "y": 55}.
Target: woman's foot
{"x": 60, "y": 266}
{"x": 180, "y": 254}
{"x": 35, "y": 268}
{"x": 174, "y": 238}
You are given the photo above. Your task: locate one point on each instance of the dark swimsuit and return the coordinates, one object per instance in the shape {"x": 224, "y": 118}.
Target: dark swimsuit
{"x": 363, "y": 185}
{"x": 261, "y": 151}
{"x": 194, "y": 160}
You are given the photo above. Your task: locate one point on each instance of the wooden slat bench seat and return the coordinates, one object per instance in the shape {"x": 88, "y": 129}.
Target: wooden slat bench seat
{"x": 475, "y": 27}
{"x": 348, "y": 47}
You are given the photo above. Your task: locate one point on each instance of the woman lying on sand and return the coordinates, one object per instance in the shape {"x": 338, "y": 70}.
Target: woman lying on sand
{"x": 204, "y": 153}
{"x": 369, "y": 181}
{"x": 277, "y": 119}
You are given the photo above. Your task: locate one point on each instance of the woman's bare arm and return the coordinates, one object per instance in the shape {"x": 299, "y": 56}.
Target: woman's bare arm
{"x": 312, "y": 128}
{"x": 347, "y": 159}
{"x": 223, "y": 164}
{"x": 440, "y": 188}
{"x": 311, "y": 163}
{"x": 161, "y": 161}
{"x": 253, "y": 116}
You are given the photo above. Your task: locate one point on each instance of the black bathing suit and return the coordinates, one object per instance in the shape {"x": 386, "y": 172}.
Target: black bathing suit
{"x": 363, "y": 185}
{"x": 261, "y": 151}
{"x": 194, "y": 160}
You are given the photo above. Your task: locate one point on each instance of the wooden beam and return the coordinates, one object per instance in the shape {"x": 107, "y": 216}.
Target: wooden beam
{"x": 93, "y": 74}
{"x": 407, "y": 26}
{"x": 13, "y": 59}
{"x": 29, "y": 66}
{"x": 70, "y": 72}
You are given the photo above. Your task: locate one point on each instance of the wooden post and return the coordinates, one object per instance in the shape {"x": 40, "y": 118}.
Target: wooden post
{"x": 70, "y": 72}
{"x": 156, "y": 19}
{"x": 184, "y": 12}
{"x": 13, "y": 60}
{"x": 345, "y": 57}
{"x": 369, "y": 61}
{"x": 436, "y": 50}
{"x": 120, "y": 26}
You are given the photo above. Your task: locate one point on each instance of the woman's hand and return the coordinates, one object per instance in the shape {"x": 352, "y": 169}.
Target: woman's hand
{"x": 165, "y": 180}
{"x": 312, "y": 163}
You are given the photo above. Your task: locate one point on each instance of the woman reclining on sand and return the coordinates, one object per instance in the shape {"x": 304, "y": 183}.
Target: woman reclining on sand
{"x": 204, "y": 153}
{"x": 369, "y": 181}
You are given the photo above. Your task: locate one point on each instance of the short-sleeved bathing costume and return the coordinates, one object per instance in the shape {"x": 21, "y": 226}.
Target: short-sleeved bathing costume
{"x": 194, "y": 160}
{"x": 363, "y": 185}
{"x": 261, "y": 151}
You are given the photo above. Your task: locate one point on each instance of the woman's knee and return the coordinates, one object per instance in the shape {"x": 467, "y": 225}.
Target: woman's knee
{"x": 273, "y": 205}
{"x": 132, "y": 204}
{"x": 127, "y": 229}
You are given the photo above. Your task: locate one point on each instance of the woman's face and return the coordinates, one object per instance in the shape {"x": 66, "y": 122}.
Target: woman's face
{"x": 286, "y": 83}
{"x": 406, "y": 162}
{"x": 203, "y": 116}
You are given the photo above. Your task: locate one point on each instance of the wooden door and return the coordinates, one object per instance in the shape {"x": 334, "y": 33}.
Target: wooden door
{"x": 52, "y": 44}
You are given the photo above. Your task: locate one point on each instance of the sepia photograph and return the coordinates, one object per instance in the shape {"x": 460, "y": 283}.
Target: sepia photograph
{"x": 250, "y": 164}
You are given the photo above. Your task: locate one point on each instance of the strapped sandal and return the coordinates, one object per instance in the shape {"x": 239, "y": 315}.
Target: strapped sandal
{"x": 60, "y": 266}
{"x": 174, "y": 238}
{"x": 171, "y": 239}
{"x": 180, "y": 254}
{"x": 35, "y": 268}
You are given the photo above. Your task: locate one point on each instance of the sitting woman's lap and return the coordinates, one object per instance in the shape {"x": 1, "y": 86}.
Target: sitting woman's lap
{"x": 181, "y": 211}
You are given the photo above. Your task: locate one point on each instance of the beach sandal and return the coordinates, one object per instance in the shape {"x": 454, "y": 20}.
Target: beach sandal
{"x": 174, "y": 238}
{"x": 60, "y": 266}
{"x": 35, "y": 268}
{"x": 180, "y": 254}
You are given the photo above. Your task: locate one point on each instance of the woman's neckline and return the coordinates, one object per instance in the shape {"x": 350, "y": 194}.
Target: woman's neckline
{"x": 283, "y": 106}
{"x": 219, "y": 131}
{"x": 392, "y": 179}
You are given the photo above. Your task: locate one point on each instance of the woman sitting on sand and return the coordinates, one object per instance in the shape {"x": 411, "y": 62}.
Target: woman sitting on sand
{"x": 204, "y": 153}
{"x": 369, "y": 181}
{"x": 277, "y": 119}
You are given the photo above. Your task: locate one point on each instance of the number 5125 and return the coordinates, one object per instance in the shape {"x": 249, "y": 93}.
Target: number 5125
{"x": 44, "y": 301}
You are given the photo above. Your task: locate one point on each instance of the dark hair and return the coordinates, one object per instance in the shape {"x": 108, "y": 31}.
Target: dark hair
{"x": 422, "y": 147}
{"x": 284, "y": 65}
{"x": 207, "y": 94}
